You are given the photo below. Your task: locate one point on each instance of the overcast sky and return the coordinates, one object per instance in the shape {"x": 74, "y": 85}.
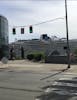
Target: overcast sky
{"x": 28, "y": 12}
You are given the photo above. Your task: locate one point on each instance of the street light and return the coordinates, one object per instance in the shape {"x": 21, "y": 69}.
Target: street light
{"x": 68, "y": 49}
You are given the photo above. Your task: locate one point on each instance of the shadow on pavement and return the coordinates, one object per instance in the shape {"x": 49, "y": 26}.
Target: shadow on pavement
{"x": 53, "y": 96}
{"x": 63, "y": 90}
{"x": 54, "y": 74}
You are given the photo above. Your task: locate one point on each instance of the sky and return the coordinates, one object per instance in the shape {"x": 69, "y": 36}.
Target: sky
{"x": 29, "y": 12}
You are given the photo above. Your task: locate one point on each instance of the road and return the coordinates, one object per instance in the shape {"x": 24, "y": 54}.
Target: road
{"x": 63, "y": 89}
{"x": 24, "y": 85}
{"x": 33, "y": 81}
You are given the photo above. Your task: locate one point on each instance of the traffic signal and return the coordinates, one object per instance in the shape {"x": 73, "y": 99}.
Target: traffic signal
{"x": 31, "y": 29}
{"x": 14, "y": 31}
{"x": 22, "y": 30}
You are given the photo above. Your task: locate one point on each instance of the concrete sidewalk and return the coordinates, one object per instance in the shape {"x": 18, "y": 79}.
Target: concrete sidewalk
{"x": 37, "y": 67}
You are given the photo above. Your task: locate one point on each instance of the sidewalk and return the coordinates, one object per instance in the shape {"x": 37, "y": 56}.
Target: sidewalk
{"x": 36, "y": 67}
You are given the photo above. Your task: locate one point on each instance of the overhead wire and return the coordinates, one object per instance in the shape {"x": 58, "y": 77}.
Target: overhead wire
{"x": 39, "y": 23}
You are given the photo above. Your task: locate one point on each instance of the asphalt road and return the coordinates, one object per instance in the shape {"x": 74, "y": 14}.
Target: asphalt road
{"x": 63, "y": 89}
{"x": 17, "y": 83}
{"x": 24, "y": 85}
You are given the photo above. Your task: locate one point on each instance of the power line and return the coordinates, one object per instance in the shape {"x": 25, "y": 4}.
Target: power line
{"x": 43, "y": 22}
{"x": 50, "y": 20}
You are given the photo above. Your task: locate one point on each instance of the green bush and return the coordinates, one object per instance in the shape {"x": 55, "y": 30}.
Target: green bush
{"x": 75, "y": 52}
{"x": 30, "y": 56}
{"x": 18, "y": 58}
{"x": 37, "y": 56}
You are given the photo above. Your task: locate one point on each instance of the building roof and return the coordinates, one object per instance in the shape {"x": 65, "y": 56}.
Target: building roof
{"x": 1, "y": 16}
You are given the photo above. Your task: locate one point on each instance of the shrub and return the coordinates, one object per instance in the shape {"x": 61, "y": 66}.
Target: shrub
{"x": 30, "y": 56}
{"x": 75, "y": 52}
{"x": 37, "y": 56}
{"x": 18, "y": 58}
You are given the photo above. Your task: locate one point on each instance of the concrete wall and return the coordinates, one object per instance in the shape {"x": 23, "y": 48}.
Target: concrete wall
{"x": 60, "y": 59}
{"x": 56, "y": 59}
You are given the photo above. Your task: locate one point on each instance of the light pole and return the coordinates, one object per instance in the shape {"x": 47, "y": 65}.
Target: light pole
{"x": 68, "y": 49}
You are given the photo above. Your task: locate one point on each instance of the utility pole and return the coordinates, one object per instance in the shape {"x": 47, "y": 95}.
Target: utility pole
{"x": 68, "y": 49}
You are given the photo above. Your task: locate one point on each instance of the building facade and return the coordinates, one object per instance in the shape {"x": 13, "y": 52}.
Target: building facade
{"x": 29, "y": 46}
{"x": 49, "y": 47}
{"x": 3, "y": 37}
